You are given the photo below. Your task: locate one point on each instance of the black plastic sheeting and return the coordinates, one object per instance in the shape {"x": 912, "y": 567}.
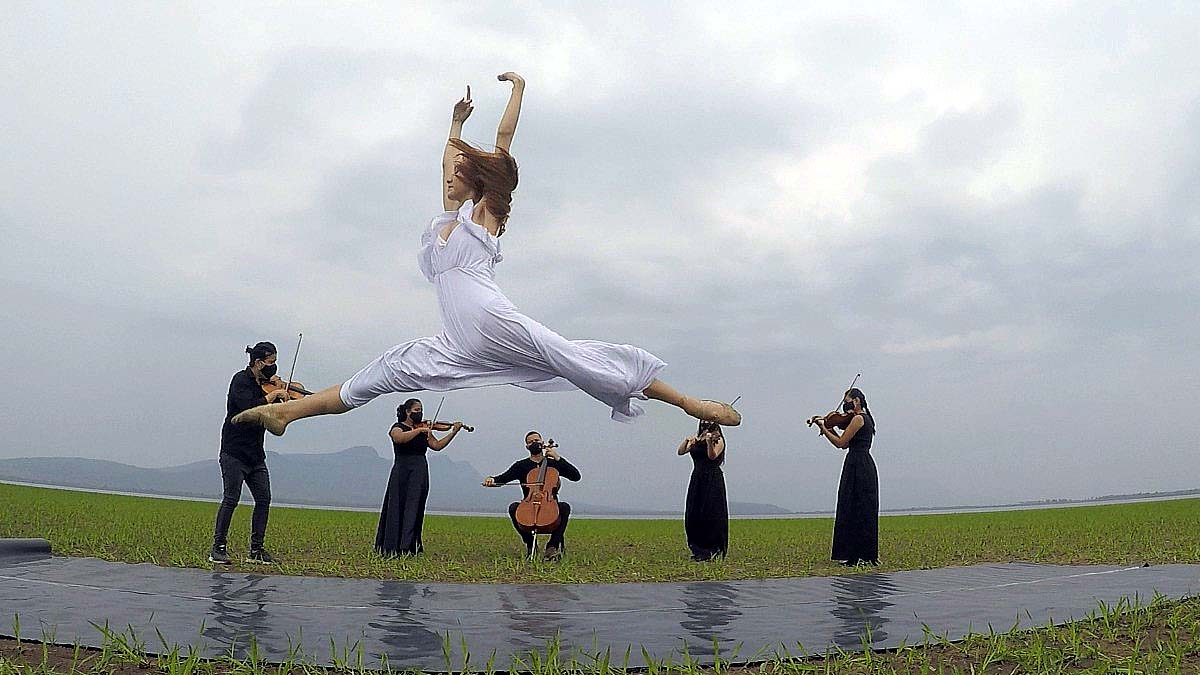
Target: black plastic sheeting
{"x": 217, "y": 612}
{"x": 19, "y": 550}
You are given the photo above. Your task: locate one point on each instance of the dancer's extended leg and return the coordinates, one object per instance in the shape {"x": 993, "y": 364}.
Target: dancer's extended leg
{"x": 276, "y": 416}
{"x": 712, "y": 411}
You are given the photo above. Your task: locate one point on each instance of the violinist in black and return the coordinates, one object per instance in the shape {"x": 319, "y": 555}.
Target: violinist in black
{"x": 519, "y": 470}
{"x": 706, "y": 511}
{"x": 856, "y": 525}
{"x": 403, "y": 511}
{"x": 242, "y": 457}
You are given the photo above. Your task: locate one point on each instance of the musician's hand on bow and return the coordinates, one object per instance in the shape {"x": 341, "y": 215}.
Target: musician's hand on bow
{"x": 489, "y": 482}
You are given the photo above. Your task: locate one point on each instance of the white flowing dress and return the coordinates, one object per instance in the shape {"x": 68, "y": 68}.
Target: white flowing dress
{"x": 485, "y": 341}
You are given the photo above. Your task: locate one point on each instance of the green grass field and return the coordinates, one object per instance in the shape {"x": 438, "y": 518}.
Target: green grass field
{"x": 476, "y": 549}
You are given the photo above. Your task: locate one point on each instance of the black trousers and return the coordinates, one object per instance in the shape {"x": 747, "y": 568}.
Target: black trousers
{"x": 235, "y": 472}
{"x": 556, "y": 537}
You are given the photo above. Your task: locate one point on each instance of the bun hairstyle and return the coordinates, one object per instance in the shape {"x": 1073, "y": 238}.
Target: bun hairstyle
{"x": 492, "y": 176}
{"x": 261, "y": 351}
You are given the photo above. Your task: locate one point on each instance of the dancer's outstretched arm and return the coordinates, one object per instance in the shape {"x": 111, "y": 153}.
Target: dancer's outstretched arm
{"x": 508, "y": 123}
{"x": 462, "y": 110}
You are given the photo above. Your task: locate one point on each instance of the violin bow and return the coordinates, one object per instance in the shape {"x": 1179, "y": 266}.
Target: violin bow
{"x": 435, "y": 413}
{"x": 295, "y": 357}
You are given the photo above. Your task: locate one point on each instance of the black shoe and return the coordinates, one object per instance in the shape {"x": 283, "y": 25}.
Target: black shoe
{"x": 260, "y": 556}
{"x": 219, "y": 555}
{"x": 553, "y": 554}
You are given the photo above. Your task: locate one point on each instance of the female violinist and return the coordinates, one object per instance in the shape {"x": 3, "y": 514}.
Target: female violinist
{"x": 856, "y": 526}
{"x": 403, "y": 511}
{"x": 706, "y": 514}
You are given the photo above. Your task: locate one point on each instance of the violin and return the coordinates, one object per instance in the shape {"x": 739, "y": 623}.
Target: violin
{"x": 445, "y": 426}
{"x": 837, "y": 419}
{"x": 294, "y": 389}
{"x": 435, "y": 425}
{"x": 538, "y": 512}
{"x": 833, "y": 420}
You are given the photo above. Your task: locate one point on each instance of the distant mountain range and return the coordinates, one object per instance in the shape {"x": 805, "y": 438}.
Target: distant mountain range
{"x": 354, "y": 477}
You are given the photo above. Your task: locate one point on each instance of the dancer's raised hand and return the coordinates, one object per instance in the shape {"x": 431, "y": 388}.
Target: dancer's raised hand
{"x": 462, "y": 109}
{"x": 510, "y": 76}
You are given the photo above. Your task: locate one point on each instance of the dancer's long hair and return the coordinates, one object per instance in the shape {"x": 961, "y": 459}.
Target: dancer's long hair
{"x": 491, "y": 175}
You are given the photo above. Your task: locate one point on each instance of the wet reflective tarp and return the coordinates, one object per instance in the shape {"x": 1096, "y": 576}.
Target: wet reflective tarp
{"x": 410, "y": 623}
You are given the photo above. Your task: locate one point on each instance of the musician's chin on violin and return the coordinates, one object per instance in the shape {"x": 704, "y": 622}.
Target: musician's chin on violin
{"x": 539, "y": 511}
{"x": 856, "y": 526}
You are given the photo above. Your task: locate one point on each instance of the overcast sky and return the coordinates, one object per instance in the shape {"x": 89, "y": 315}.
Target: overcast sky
{"x": 992, "y": 212}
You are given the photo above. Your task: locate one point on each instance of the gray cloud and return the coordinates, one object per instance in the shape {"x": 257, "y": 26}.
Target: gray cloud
{"x": 989, "y": 213}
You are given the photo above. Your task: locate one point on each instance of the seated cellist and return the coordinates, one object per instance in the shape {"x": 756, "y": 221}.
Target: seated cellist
{"x": 518, "y": 471}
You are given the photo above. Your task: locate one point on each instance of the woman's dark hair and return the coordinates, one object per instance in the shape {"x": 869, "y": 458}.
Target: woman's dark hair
{"x": 261, "y": 351}
{"x": 490, "y": 174}
{"x": 403, "y": 410}
{"x": 868, "y": 418}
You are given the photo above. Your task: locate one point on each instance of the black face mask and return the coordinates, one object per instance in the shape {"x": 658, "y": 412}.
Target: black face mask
{"x": 416, "y": 416}
{"x": 534, "y": 448}
{"x": 848, "y": 407}
{"x": 269, "y": 371}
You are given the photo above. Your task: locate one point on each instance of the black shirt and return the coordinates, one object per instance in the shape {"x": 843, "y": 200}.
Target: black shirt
{"x": 521, "y": 468}
{"x": 243, "y": 441}
{"x": 417, "y": 445}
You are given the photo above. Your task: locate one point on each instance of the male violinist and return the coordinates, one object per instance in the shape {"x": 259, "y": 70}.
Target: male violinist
{"x": 242, "y": 457}
{"x": 519, "y": 470}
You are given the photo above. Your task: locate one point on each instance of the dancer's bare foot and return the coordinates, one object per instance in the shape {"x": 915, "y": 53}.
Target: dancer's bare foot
{"x": 712, "y": 411}
{"x": 265, "y": 415}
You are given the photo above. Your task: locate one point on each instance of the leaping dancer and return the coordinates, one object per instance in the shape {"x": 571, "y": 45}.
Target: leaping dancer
{"x": 485, "y": 340}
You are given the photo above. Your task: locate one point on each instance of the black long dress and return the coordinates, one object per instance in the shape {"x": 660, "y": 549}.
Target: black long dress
{"x": 706, "y": 516}
{"x": 403, "y": 509}
{"x": 856, "y": 526}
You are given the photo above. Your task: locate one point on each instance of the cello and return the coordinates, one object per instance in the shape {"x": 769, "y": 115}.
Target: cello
{"x": 538, "y": 512}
